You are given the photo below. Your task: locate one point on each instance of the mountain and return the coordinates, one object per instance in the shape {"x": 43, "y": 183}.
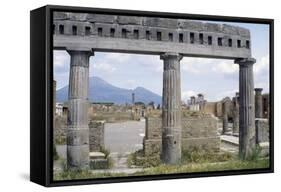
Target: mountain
{"x": 102, "y": 91}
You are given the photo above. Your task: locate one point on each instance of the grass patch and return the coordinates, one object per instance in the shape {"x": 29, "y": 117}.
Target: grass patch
{"x": 194, "y": 155}
{"x": 83, "y": 174}
{"x": 60, "y": 140}
{"x": 205, "y": 167}
{"x": 140, "y": 160}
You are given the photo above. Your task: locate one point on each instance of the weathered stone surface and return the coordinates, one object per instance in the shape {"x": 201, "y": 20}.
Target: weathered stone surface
{"x": 125, "y": 20}
{"x": 171, "y": 109}
{"x": 153, "y": 128}
{"x": 97, "y": 155}
{"x": 77, "y": 125}
{"x": 199, "y": 132}
{"x": 262, "y": 130}
{"x": 99, "y": 164}
{"x": 247, "y": 133}
{"x": 96, "y": 135}
{"x": 235, "y": 128}
{"x": 225, "y": 109}
{"x": 148, "y": 44}
{"x": 100, "y": 18}
{"x": 258, "y": 103}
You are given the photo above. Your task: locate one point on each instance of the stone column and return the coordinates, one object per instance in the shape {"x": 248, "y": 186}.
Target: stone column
{"x": 247, "y": 136}
{"x": 235, "y": 127}
{"x": 225, "y": 117}
{"x": 258, "y": 103}
{"x": 171, "y": 110}
{"x": 77, "y": 118}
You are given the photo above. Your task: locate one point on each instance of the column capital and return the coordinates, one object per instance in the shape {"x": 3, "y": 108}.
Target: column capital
{"x": 245, "y": 61}
{"x": 88, "y": 52}
{"x": 80, "y": 58}
{"x": 258, "y": 90}
{"x": 170, "y": 55}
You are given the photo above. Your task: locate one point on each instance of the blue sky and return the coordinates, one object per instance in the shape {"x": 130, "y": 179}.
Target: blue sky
{"x": 215, "y": 78}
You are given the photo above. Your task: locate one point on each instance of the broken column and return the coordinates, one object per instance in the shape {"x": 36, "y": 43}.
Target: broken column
{"x": 258, "y": 103}
{"x": 247, "y": 136}
{"x": 171, "y": 110}
{"x": 77, "y": 119}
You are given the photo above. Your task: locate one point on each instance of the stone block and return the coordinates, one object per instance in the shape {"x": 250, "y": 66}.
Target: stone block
{"x": 262, "y": 130}
{"x": 99, "y": 164}
{"x": 160, "y": 22}
{"x": 96, "y": 135}
{"x": 125, "y": 20}
{"x": 96, "y": 155}
{"x": 100, "y": 18}
{"x": 199, "y": 132}
{"x": 264, "y": 149}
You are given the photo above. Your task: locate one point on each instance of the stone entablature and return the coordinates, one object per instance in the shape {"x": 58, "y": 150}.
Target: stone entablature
{"x": 150, "y": 35}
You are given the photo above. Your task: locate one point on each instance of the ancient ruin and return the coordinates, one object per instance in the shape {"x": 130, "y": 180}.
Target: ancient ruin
{"x": 83, "y": 34}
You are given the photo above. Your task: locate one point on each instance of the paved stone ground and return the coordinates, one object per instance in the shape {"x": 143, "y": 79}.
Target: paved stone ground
{"x": 229, "y": 143}
{"x": 124, "y": 137}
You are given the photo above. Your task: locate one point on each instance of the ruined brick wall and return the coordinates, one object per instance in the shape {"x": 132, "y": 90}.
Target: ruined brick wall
{"x": 199, "y": 132}
{"x": 210, "y": 107}
{"x": 262, "y": 130}
{"x": 96, "y": 135}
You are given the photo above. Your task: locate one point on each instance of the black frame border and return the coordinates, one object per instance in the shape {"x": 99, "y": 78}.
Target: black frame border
{"x": 41, "y": 163}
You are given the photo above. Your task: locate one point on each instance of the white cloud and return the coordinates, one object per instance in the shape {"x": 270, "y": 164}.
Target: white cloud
{"x": 225, "y": 67}
{"x": 104, "y": 67}
{"x": 131, "y": 83}
{"x": 203, "y": 65}
{"x": 61, "y": 58}
{"x": 118, "y": 57}
{"x": 227, "y": 93}
{"x": 262, "y": 65}
{"x": 185, "y": 95}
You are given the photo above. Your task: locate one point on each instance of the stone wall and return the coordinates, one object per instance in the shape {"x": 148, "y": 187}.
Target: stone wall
{"x": 96, "y": 129}
{"x": 199, "y": 132}
{"x": 262, "y": 130}
{"x": 210, "y": 107}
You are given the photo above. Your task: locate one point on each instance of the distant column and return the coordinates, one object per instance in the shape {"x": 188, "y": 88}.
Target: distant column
{"x": 224, "y": 117}
{"x": 77, "y": 119}
{"x": 133, "y": 98}
{"x": 247, "y": 136}
{"x": 258, "y": 103}
{"x": 235, "y": 128}
{"x": 171, "y": 110}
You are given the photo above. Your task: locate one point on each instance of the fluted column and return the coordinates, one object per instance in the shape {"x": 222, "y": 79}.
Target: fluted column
{"x": 247, "y": 136}
{"x": 258, "y": 103}
{"x": 77, "y": 119}
{"x": 171, "y": 110}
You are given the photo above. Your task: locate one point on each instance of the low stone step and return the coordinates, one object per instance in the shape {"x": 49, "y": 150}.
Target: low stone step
{"x": 97, "y": 155}
{"x": 229, "y": 139}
